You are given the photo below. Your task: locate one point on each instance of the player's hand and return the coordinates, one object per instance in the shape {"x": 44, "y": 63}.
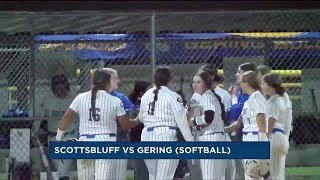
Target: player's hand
{"x": 133, "y": 114}
{"x": 192, "y": 122}
{"x": 234, "y": 91}
{"x": 230, "y": 89}
{"x": 269, "y": 135}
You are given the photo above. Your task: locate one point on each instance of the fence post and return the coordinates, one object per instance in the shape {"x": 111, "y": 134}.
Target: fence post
{"x": 32, "y": 73}
{"x": 153, "y": 41}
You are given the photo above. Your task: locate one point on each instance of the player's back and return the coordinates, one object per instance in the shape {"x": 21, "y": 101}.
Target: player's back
{"x": 164, "y": 108}
{"x": 280, "y": 108}
{"x": 256, "y": 104}
{"x": 106, "y": 112}
{"x": 209, "y": 101}
{"x": 225, "y": 97}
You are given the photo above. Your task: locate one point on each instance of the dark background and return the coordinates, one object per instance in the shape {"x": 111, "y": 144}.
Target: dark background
{"x": 154, "y": 5}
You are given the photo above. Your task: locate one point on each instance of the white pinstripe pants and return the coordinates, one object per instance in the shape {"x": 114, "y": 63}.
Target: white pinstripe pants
{"x": 231, "y": 166}
{"x": 98, "y": 169}
{"x": 213, "y": 169}
{"x": 160, "y": 169}
{"x": 249, "y": 137}
{"x": 279, "y": 146}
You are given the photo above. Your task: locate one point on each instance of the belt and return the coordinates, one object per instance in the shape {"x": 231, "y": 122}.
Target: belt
{"x": 152, "y": 128}
{"x": 50, "y": 133}
{"x": 89, "y": 136}
{"x": 274, "y": 130}
{"x": 251, "y": 132}
{"x": 210, "y": 133}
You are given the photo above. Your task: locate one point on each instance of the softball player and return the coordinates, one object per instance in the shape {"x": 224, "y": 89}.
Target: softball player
{"x": 226, "y": 101}
{"x": 162, "y": 112}
{"x": 209, "y": 124}
{"x": 97, "y": 111}
{"x": 140, "y": 87}
{"x": 120, "y": 170}
{"x": 253, "y": 115}
{"x": 238, "y": 100}
{"x": 279, "y": 123}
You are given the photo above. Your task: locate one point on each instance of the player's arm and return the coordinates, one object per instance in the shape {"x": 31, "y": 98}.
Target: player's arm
{"x": 126, "y": 123}
{"x": 208, "y": 116}
{"x": 273, "y": 111}
{"x": 234, "y": 126}
{"x": 128, "y": 107}
{"x": 67, "y": 119}
{"x": 181, "y": 118}
{"x": 236, "y": 109}
{"x": 204, "y": 119}
{"x": 123, "y": 118}
{"x": 288, "y": 125}
{"x": 259, "y": 104}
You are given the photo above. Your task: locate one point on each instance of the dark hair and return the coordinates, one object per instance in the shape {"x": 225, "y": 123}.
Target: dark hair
{"x": 162, "y": 77}
{"x": 210, "y": 68}
{"x": 101, "y": 77}
{"x": 139, "y": 87}
{"x": 263, "y": 69}
{"x": 248, "y": 67}
{"x": 252, "y": 79}
{"x": 206, "y": 77}
{"x": 274, "y": 80}
{"x": 61, "y": 78}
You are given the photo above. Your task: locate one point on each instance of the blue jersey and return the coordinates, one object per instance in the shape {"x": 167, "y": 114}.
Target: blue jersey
{"x": 127, "y": 104}
{"x": 235, "y": 109}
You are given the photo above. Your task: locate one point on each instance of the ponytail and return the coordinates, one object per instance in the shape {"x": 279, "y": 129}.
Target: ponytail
{"x": 280, "y": 90}
{"x": 162, "y": 77}
{"x": 93, "y": 101}
{"x": 223, "y": 112}
{"x": 155, "y": 98}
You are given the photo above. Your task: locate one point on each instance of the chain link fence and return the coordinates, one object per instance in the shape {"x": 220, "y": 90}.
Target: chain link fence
{"x": 47, "y": 59}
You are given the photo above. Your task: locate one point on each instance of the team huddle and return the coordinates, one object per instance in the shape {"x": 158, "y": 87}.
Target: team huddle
{"x": 257, "y": 108}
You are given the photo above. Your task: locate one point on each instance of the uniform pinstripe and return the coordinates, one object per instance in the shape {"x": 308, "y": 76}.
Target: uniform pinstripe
{"x": 193, "y": 103}
{"x": 212, "y": 169}
{"x": 256, "y": 104}
{"x": 227, "y": 100}
{"x": 120, "y": 170}
{"x": 169, "y": 113}
{"x": 104, "y": 129}
{"x": 225, "y": 97}
{"x": 279, "y": 108}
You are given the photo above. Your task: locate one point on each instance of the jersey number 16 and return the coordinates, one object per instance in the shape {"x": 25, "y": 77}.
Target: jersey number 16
{"x": 97, "y": 114}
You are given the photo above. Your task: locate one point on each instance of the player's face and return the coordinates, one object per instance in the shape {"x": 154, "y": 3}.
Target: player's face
{"x": 114, "y": 81}
{"x": 239, "y": 75}
{"x": 244, "y": 86}
{"x": 199, "y": 85}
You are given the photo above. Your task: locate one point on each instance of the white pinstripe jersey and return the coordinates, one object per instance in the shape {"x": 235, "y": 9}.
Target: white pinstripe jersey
{"x": 225, "y": 97}
{"x": 168, "y": 103}
{"x": 107, "y": 107}
{"x": 256, "y": 104}
{"x": 209, "y": 101}
{"x": 280, "y": 108}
